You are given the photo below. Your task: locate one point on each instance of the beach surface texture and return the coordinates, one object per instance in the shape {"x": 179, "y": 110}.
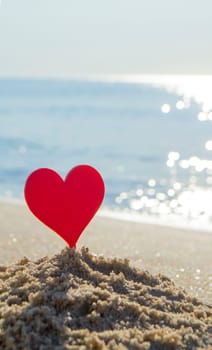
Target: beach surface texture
{"x": 75, "y": 300}
{"x": 113, "y": 296}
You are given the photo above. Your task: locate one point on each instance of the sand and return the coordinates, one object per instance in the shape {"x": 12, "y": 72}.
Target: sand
{"x": 182, "y": 255}
{"x": 79, "y": 300}
{"x": 75, "y": 300}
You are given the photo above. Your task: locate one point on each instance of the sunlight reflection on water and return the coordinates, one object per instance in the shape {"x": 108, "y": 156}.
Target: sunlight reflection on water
{"x": 151, "y": 141}
{"x": 192, "y": 198}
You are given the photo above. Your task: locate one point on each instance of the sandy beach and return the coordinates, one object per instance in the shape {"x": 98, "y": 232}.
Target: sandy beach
{"x": 182, "y": 255}
{"x": 135, "y": 287}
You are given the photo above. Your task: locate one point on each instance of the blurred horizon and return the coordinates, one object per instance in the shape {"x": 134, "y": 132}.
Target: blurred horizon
{"x": 196, "y": 87}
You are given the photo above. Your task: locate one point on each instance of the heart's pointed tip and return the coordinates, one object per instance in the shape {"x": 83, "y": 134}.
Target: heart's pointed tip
{"x": 72, "y": 246}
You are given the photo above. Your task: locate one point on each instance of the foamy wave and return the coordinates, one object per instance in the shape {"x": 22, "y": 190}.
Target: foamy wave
{"x": 171, "y": 220}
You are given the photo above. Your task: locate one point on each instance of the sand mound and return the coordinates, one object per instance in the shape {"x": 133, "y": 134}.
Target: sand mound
{"x": 78, "y": 301}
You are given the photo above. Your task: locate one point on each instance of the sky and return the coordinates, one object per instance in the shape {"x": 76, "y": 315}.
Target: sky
{"x": 77, "y": 38}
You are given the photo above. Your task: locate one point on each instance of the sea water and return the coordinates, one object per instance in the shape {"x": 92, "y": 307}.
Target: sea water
{"x": 151, "y": 139}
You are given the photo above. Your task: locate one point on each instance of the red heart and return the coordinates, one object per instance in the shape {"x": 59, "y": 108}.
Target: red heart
{"x": 65, "y": 206}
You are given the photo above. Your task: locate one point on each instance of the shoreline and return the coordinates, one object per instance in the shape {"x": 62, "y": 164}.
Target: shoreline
{"x": 171, "y": 221}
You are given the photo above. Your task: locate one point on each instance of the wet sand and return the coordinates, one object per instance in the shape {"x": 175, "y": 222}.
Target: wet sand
{"x": 182, "y": 255}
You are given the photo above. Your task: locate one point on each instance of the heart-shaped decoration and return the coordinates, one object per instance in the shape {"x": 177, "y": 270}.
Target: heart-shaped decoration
{"x": 66, "y": 206}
